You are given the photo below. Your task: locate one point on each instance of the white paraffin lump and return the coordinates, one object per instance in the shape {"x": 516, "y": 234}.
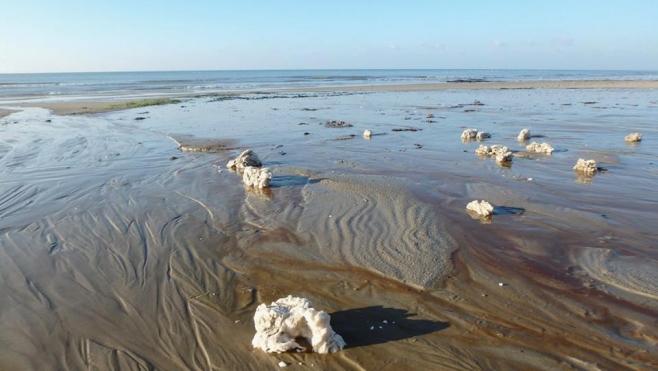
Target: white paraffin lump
{"x": 504, "y": 157}
{"x": 492, "y": 151}
{"x": 482, "y": 208}
{"x": 634, "y": 137}
{"x": 258, "y": 177}
{"x": 585, "y": 166}
{"x": 278, "y": 324}
{"x": 246, "y": 158}
{"x": 524, "y": 135}
{"x": 469, "y": 134}
{"x": 539, "y": 148}
{"x": 482, "y": 135}
{"x": 367, "y": 134}
{"x": 500, "y": 153}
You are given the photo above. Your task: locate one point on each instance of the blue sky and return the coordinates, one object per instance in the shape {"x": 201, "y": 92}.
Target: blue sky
{"x": 137, "y": 35}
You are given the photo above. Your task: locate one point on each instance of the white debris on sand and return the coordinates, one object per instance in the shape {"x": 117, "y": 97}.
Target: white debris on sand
{"x": 246, "y": 158}
{"x": 524, "y": 135}
{"x": 469, "y": 134}
{"x": 504, "y": 157}
{"x": 482, "y": 135}
{"x": 539, "y": 148}
{"x": 634, "y": 137}
{"x": 258, "y": 177}
{"x": 490, "y": 151}
{"x": 481, "y": 208}
{"x": 280, "y": 323}
{"x": 367, "y": 134}
{"x": 500, "y": 153}
{"x": 587, "y": 167}
{"x": 282, "y": 364}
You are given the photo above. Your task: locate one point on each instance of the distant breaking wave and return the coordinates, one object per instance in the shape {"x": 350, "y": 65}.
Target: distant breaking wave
{"x": 117, "y": 83}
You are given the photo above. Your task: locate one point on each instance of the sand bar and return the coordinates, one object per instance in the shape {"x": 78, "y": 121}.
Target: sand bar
{"x": 100, "y": 104}
{"x": 5, "y": 112}
{"x": 574, "y": 84}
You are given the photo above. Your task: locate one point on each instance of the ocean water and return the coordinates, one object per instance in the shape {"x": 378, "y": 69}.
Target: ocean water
{"x": 183, "y": 82}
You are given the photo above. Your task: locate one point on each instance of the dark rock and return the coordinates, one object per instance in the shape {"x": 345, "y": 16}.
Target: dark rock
{"x": 409, "y": 128}
{"x": 337, "y": 124}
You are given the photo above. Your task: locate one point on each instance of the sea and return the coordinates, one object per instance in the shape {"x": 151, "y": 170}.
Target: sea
{"x": 86, "y": 84}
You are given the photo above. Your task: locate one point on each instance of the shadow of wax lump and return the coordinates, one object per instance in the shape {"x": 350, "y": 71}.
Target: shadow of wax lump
{"x": 506, "y": 210}
{"x": 373, "y": 325}
{"x": 289, "y": 180}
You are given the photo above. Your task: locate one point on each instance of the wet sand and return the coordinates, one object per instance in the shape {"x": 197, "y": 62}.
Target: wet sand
{"x": 125, "y": 248}
{"x": 579, "y": 84}
{"x": 100, "y": 105}
{"x": 5, "y": 112}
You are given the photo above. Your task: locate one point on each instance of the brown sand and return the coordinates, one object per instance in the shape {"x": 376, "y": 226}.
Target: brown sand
{"x": 5, "y": 112}
{"x": 579, "y": 84}
{"x": 88, "y": 107}
{"x": 115, "y": 257}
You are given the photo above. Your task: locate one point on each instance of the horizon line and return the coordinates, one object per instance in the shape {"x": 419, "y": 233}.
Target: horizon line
{"x": 334, "y": 69}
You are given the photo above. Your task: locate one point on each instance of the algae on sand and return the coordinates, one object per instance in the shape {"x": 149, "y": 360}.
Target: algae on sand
{"x": 142, "y": 103}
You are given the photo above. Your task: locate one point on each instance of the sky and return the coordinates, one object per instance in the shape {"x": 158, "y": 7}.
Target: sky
{"x": 145, "y": 35}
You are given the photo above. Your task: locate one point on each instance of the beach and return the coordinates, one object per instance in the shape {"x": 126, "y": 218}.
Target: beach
{"x": 127, "y": 243}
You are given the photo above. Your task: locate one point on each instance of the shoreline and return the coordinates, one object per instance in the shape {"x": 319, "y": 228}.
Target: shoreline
{"x": 90, "y": 106}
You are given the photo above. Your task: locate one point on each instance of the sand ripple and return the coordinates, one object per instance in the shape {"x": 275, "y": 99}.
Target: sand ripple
{"x": 374, "y": 222}
{"x": 638, "y": 275}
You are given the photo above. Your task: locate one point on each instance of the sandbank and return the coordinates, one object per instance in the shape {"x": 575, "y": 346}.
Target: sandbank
{"x": 97, "y": 105}
{"x": 5, "y": 112}
{"x": 100, "y": 105}
{"x": 572, "y": 84}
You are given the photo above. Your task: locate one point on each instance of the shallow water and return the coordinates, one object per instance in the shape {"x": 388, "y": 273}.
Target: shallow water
{"x": 114, "y": 256}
